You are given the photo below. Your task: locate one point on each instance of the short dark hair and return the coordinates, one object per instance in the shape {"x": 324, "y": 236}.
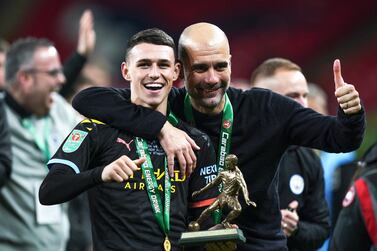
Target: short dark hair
{"x": 269, "y": 67}
{"x": 21, "y": 53}
{"x": 150, "y": 36}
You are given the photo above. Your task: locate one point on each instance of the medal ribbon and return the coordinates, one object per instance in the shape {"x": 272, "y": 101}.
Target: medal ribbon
{"x": 225, "y": 137}
{"x": 41, "y": 142}
{"x": 163, "y": 218}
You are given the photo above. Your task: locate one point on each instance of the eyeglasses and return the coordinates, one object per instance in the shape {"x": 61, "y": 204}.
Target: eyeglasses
{"x": 53, "y": 73}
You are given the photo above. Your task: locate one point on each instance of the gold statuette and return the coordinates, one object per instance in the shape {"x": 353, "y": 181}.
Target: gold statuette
{"x": 167, "y": 245}
{"x": 233, "y": 182}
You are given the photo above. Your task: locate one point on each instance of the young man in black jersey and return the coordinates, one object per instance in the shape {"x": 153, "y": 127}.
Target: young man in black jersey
{"x": 305, "y": 214}
{"x": 133, "y": 209}
{"x": 256, "y": 125}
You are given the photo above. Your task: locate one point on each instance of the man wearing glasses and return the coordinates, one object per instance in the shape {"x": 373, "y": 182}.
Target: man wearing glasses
{"x": 39, "y": 119}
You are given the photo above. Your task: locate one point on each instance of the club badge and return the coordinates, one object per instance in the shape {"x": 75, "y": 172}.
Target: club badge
{"x": 297, "y": 184}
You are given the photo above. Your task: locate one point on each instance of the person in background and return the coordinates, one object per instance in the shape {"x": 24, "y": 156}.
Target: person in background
{"x": 356, "y": 226}
{"x": 85, "y": 45}
{"x": 338, "y": 167}
{"x": 80, "y": 238}
{"x": 39, "y": 119}
{"x": 75, "y": 63}
{"x": 5, "y": 151}
{"x": 305, "y": 215}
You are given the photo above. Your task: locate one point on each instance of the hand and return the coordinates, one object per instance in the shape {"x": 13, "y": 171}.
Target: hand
{"x": 289, "y": 218}
{"x": 87, "y": 35}
{"x": 177, "y": 143}
{"x": 121, "y": 169}
{"x": 347, "y": 96}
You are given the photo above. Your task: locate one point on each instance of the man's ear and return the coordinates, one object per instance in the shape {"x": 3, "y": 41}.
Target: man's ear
{"x": 181, "y": 74}
{"x": 177, "y": 70}
{"x": 125, "y": 72}
{"x": 25, "y": 79}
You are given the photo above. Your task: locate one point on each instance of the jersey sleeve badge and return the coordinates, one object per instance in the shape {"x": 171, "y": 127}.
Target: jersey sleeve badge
{"x": 74, "y": 141}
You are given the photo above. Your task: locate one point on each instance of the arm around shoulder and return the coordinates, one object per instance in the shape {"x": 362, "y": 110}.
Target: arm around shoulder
{"x": 113, "y": 106}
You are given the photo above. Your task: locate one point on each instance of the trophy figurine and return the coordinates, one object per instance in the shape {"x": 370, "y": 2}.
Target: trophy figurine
{"x": 232, "y": 182}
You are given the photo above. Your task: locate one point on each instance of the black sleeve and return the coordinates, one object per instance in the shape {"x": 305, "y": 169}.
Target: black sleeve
{"x": 63, "y": 184}
{"x": 350, "y": 232}
{"x": 73, "y": 167}
{"x": 314, "y": 224}
{"x": 5, "y": 147}
{"x": 305, "y": 127}
{"x": 113, "y": 106}
{"x": 71, "y": 69}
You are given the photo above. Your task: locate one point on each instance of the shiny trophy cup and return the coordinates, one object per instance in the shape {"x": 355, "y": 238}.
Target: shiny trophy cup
{"x": 232, "y": 182}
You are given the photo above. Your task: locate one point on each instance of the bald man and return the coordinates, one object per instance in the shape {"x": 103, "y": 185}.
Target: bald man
{"x": 256, "y": 125}
{"x": 305, "y": 214}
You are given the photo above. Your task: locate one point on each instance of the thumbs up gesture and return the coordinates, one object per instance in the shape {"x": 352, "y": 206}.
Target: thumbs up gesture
{"x": 346, "y": 94}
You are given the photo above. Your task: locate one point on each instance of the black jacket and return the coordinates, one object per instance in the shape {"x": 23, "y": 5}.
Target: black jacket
{"x": 265, "y": 124}
{"x": 121, "y": 213}
{"x": 356, "y": 227}
{"x": 301, "y": 179}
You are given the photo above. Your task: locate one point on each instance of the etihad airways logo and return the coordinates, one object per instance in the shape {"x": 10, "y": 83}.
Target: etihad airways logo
{"x": 222, "y": 150}
{"x": 138, "y": 184}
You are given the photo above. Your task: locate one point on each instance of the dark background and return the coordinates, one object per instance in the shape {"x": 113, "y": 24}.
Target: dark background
{"x": 310, "y": 33}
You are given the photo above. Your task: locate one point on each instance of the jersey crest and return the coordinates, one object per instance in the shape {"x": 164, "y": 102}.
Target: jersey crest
{"x": 74, "y": 141}
{"x": 296, "y": 184}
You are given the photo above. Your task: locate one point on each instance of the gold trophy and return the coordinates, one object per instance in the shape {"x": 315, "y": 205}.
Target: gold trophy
{"x": 232, "y": 182}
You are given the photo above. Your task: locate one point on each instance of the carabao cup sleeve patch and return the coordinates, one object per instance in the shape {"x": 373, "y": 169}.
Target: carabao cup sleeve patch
{"x": 74, "y": 141}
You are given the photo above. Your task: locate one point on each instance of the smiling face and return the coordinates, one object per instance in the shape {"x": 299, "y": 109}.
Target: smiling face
{"x": 207, "y": 77}
{"x": 45, "y": 77}
{"x": 151, "y": 70}
{"x": 204, "y": 51}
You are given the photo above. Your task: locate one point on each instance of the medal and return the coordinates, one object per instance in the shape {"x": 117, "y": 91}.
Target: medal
{"x": 167, "y": 245}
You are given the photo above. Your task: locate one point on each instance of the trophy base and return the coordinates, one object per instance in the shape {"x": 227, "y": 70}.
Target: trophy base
{"x": 207, "y": 236}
